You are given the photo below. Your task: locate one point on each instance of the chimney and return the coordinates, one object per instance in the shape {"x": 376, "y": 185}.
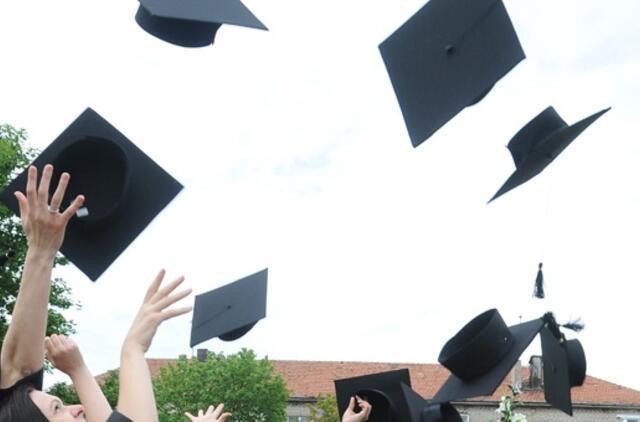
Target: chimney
{"x": 202, "y": 354}
{"x": 536, "y": 380}
{"x": 516, "y": 375}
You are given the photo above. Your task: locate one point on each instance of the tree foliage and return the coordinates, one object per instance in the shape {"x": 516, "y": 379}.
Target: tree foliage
{"x": 15, "y": 155}
{"x": 325, "y": 409}
{"x": 249, "y": 388}
{"x": 109, "y": 384}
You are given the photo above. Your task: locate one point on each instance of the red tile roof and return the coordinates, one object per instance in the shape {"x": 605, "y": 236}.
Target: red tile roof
{"x": 311, "y": 378}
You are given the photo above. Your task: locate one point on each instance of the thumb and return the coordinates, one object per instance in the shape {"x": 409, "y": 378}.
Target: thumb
{"x": 22, "y": 204}
{"x": 190, "y": 416}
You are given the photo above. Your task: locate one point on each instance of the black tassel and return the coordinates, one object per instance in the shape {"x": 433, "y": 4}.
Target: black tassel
{"x": 576, "y": 325}
{"x": 538, "y": 290}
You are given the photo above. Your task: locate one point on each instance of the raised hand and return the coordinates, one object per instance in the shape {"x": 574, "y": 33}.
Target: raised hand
{"x": 152, "y": 312}
{"x": 43, "y": 223}
{"x": 350, "y": 414}
{"x": 64, "y": 354}
{"x": 211, "y": 415}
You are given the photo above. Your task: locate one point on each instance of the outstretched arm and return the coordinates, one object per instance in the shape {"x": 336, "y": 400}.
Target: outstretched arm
{"x": 136, "y": 399}
{"x": 66, "y": 357}
{"x": 22, "y": 349}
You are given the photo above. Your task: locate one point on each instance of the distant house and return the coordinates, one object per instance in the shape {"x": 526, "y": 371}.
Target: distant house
{"x": 596, "y": 401}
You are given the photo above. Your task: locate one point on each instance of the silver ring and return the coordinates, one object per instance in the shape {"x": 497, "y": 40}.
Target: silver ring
{"x": 52, "y": 211}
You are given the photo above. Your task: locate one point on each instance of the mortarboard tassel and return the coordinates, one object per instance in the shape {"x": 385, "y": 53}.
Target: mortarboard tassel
{"x": 575, "y": 325}
{"x": 538, "y": 290}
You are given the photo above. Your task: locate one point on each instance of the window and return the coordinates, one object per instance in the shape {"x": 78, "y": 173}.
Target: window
{"x": 298, "y": 419}
{"x": 628, "y": 418}
{"x": 465, "y": 417}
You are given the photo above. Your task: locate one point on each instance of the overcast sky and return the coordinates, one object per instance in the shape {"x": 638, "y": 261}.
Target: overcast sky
{"x": 294, "y": 156}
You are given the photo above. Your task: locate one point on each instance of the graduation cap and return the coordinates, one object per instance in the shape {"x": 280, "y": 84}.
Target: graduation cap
{"x": 382, "y": 390}
{"x": 422, "y": 411}
{"x": 192, "y": 23}
{"x": 124, "y": 190}
{"x": 446, "y": 57}
{"x": 564, "y": 366}
{"x": 481, "y": 354}
{"x": 230, "y": 311}
{"x": 539, "y": 142}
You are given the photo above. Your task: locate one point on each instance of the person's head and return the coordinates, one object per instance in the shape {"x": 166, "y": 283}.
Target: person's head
{"x": 29, "y": 404}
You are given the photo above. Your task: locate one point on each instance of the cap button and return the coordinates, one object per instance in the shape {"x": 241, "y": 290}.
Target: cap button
{"x": 449, "y": 49}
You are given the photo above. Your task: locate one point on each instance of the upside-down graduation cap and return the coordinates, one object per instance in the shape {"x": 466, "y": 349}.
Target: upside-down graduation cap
{"x": 481, "y": 354}
{"x": 539, "y": 142}
{"x": 192, "y": 23}
{"x": 229, "y": 312}
{"x": 124, "y": 190}
{"x": 382, "y": 390}
{"x": 446, "y": 57}
{"x": 564, "y": 366}
{"x": 422, "y": 411}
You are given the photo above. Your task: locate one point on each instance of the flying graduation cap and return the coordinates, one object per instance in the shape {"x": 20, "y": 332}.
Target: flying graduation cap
{"x": 420, "y": 410}
{"x": 382, "y": 390}
{"x": 564, "y": 365}
{"x": 447, "y": 57}
{"x": 230, "y": 311}
{"x": 481, "y": 354}
{"x": 124, "y": 190}
{"x": 539, "y": 142}
{"x": 192, "y": 23}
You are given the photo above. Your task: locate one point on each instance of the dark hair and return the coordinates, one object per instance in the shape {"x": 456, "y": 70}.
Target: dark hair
{"x": 17, "y": 406}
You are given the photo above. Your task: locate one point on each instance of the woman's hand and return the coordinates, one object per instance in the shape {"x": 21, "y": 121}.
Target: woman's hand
{"x": 212, "y": 415}
{"x": 64, "y": 354}
{"x": 42, "y": 221}
{"x": 152, "y": 313}
{"x": 350, "y": 414}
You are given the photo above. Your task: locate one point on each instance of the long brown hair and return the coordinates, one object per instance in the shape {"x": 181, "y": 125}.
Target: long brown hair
{"x": 17, "y": 406}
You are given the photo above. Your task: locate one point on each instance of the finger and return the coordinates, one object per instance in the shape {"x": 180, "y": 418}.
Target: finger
{"x": 22, "y": 204}
{"x": 32, "y": 197}
{"x": 224, "y": 417}
{"x": 153, "y": 288}
{"x": 58, "y": 195}
{"x": 352, "y": 403}
{"x": 47, "y": 344}
{"x": 166, "y": 290}
{"x": 190, "y": 416}
{"x": 73, "y": 208}
{"x": 170, "y": 300}
{"x": 45, "y": 181}
{"x": 218, "y": 411}
{"x": 200, "y": 412}
{"x": 210, "y": 410}
{"x": 172, "y": 313}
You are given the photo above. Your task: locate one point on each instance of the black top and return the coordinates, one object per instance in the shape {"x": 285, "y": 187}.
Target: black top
{"x": 118, "y": 417}
{"x": 33, "y": 380}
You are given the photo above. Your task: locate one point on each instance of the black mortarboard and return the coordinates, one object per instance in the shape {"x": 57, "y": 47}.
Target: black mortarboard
{"x": 481, "y": 354}
{"x": 564, "y": 366}
{"x": 124, "y": 190}
{"x": 230, "y": 311}
{"x": 446, "y": 57}
{"x": 422, "y": 411}
{"x": 383, "y": 390}
{"x": 192, "y": 23}
{"x": 539, "y": 142}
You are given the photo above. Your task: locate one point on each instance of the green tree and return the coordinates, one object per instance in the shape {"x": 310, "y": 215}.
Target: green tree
{"x": 15, "y": 155}
{"x": 325, "y": 409}
{"x": 109, "y": 385}
{"x": 249, "y": 388}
